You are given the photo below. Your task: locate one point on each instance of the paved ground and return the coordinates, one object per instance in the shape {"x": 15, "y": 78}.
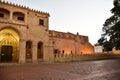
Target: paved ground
{"x": 83, "y": 70}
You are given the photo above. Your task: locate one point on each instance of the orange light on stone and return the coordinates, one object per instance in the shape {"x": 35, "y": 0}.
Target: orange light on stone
{"x": 67, "y": 51}
{"x": 87, "y": 51}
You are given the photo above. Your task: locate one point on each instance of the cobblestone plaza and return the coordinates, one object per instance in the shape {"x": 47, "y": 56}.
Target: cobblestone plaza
{"x": 83, "y": 70}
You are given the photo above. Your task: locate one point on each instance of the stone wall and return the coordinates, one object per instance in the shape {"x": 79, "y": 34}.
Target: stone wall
{"x": 70, "y": 43}
{"x": 80, "y": 57}
{"x": 115, "y": 51}
{"x": 31, "y": 26}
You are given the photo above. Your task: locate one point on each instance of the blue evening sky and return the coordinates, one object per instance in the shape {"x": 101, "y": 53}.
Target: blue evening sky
{"x": 84, "y": 16}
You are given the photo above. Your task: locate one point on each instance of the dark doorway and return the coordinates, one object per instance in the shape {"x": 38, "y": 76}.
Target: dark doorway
{"x": 28, "y": 51}
{"x": 40, "y": 51}
{"x": 6, "y": 53}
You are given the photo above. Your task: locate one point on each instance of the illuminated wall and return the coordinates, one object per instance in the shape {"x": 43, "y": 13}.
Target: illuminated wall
{"x": 9, "y": 37}
{"x": 68, "y": 43}
{"x": 25, "y": 30}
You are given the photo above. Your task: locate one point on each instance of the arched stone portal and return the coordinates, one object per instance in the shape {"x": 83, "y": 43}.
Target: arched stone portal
{"x": 40, "y": 51}
{"x": 28, "y": 51}
{"x": 9, "y": 42}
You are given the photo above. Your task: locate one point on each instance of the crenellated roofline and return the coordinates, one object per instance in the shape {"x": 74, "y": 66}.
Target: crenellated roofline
{"x": 24, "y": 7}
{"x": 59, "y": 34}
{"x": 67, "y": 33}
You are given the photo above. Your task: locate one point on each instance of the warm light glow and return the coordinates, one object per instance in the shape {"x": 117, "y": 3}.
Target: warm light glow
{"x": 67, "y": 51}
{"x": 87, "y": 49}
{"x": 9, "y": 31}
{"x": 9, "y": 37}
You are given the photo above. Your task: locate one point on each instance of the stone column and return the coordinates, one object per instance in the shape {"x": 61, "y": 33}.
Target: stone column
{"x": 48, "y": 54}
{"x": 34, "y": 52}
{"x": 22, "y": 51}
{"x": 47, "y": 23}
{"x": 11, "y": 15}
{"x": 26, "y": 19}
{"x": 45, "y": 53}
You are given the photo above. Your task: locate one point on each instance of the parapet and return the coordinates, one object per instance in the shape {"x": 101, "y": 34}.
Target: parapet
{"x": 24, "y": 7}
{"x": 68, "y": 35}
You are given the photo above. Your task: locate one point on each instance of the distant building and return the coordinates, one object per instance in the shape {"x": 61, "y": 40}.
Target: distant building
{"x": 98, "y": 48}
{"x": 25, "y": 36}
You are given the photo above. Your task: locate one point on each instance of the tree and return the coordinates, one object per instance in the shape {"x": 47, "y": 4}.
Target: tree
{"x": 111, "y": 29}
{"x": 106, "y": 44}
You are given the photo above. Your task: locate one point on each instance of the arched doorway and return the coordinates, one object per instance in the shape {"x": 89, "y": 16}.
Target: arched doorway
{"x": 9, "y": 42}
{"x": 40, "y": 51}
{"x": 28, "y": 51}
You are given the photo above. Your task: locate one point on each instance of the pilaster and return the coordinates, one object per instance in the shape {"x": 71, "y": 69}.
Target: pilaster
{"x": 26, "y": 19}
{"x": 34, "y": 52}
{"x": 22, "y": 51}
{"x": 48, "y": 54}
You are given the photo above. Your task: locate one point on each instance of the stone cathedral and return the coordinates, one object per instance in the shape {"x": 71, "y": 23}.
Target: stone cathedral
{"x": 25, "y": 36}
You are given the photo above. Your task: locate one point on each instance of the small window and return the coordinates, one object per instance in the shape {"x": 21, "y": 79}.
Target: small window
{"x": 1, "y": 15}
{"x": 21, "y": 18}
{"x": 71, "y": 52}
{"x": 62, "y": 51}
{"x": 41, "y": 22}
{"x": 55, "y": 51}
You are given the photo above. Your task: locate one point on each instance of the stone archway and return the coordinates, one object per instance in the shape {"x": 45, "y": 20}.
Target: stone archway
{"x": 9, "y": 45}
{"x": 40, "y": 51}
{"x": 29, "y": 51}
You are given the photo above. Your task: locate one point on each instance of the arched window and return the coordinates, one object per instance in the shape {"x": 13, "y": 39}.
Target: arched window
{"x": 4, "y": 13}
{"x": 40, "y": 51}
{"x": 28, "y": 50}
{"x": 18, "y": 16}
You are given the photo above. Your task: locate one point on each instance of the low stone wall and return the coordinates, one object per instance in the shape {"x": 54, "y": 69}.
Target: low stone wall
{"x": 80, "y": 57}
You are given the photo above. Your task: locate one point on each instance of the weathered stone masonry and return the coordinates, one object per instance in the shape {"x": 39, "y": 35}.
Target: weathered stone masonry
{"x": 25, "y": 36}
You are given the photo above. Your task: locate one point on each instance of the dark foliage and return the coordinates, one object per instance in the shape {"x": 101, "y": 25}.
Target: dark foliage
{"x": 111, "y": 29}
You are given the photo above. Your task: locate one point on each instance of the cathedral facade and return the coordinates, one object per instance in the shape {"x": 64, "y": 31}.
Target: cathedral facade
{"x": 25, "y": 36}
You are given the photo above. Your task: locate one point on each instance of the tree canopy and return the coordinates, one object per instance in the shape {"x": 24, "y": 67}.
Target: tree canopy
{"x": 111, "y": 29}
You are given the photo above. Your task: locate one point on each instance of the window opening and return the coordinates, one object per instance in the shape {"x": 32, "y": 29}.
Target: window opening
{"x": 1, "y": 15}
{"x": 21, "y": 18}
{"x": 41, "y": 22}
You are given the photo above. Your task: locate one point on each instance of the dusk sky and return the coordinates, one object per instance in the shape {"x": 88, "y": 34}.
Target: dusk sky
{"x": 84, "y": 16}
